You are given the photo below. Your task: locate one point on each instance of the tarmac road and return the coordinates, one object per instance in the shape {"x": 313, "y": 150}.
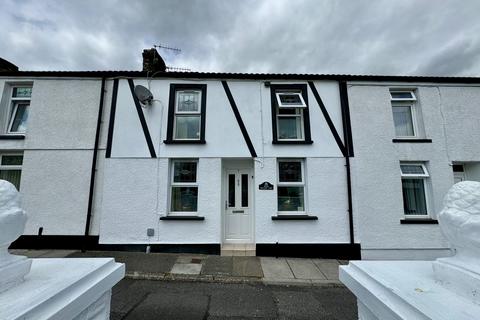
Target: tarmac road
{"x": 145, "y": 299}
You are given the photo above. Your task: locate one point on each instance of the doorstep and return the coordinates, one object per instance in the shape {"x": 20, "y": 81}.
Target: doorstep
{"x": 238, "y": 249}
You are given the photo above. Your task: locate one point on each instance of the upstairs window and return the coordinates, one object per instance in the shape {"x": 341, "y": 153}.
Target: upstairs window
{"x": 291, "y": 122}
{"x": 11, "y": 168}
{"x": 184, "y": 187}
{"x": 19, "y": 106}
{"x": 414, "y": 176}
{"x": 403, "y": 107}
{"x": 186, "y": 123}
{"x": 291, "y": 186}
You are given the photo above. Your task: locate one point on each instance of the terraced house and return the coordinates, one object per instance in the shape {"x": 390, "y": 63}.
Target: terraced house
{"x": 342, "y": 166}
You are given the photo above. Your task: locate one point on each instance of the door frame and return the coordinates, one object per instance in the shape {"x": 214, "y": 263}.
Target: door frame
{"x": 241, "y": 167}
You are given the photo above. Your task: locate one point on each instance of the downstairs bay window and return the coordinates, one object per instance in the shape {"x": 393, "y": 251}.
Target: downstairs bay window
{"x": 291, "y": 187}
{"x": 183, "y": 187}
{"x": 414, "y": 189}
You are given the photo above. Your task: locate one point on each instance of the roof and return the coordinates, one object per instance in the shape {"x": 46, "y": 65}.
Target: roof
{"x": 240, "y": 76}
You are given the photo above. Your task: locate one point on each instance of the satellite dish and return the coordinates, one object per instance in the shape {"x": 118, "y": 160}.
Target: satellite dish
{"x": 143, "y": 95}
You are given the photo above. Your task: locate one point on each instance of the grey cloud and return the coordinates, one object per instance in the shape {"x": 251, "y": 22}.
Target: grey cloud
{"x": 302, "y": 36}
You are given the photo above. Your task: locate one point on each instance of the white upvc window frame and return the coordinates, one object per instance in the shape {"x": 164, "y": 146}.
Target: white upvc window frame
{"x": 424, "y": 177}
{"x": 14, "y": 103}
{"x": 179, "y": 113}
{"x": 181, "y": 184}
{"x": 280, "y": 104}
{"x": 406, "y": 102}
{"x": 292, "y": 184}
{"x": 299, "y": 114}
{"x": 10, "y": 167}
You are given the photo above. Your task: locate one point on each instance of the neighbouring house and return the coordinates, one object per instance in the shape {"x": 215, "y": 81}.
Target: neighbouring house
{"x": 342, "y": 166}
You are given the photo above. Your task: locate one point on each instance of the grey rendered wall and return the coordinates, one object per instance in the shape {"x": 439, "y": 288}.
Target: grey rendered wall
{"x": 450, "y": 118}
{"x": 58, "y": 154}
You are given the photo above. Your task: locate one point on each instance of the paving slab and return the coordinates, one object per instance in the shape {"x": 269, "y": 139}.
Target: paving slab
{"x": 186, "y": 268}
{"x": 247, "y": 267}
{"x": 276, "y": 268}
{"x": 28, "y": 253}
{"x": 329, "y": 267}
{"x": 305, "y": 269}
{"x": 216, "y": 265}
{"x": 191, "y": 258}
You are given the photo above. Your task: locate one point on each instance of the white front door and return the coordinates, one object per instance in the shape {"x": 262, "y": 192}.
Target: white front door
{"x": 238, "y": 222}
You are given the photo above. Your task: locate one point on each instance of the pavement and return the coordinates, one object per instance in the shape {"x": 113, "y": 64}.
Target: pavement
{"x": 217, "y": 287}
{"x": 213, "y": 268}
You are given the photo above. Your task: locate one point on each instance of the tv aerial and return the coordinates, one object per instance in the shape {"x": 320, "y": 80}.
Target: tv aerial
{"x": 175, "y": 51}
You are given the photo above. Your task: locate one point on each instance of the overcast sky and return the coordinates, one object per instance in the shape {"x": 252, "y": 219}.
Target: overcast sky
{"x": 418, "y": 37}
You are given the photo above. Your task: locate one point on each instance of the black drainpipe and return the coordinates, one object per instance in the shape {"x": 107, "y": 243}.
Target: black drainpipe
{"x": 347, "y": 134}
{"x": 94, "y": 166}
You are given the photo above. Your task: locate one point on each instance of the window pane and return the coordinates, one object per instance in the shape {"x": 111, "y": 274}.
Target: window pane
{"x": 188, "y": 101}
{"x": 290, "y": 98}
{"x": 289, "y": 111}
{"x": 22, "y": 92}
{"x": 19, "y": 123}
{"x": 184, "y": 171}
{"x": 289, "y": 128}
{"x": 187, "y": 127}
{"x": 457, "y": 168}
{"x": 414, "y": 197}
{"x": 184, "y": 199}
{"x": 231, "y": 190}
{"x": 290, "y": 171}
{"x": 402, "y": 117}
{"x": 401, "y": 95}
{"x": 12, "y": 176}
{"x": 244, "y": 190}
{"x": 412, "y": 169}
{"x": 12, "y": 160}
{"x": 290, "y": 199}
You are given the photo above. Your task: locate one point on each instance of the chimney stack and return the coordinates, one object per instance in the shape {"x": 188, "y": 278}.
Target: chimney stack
{"x": 152, "y": 61}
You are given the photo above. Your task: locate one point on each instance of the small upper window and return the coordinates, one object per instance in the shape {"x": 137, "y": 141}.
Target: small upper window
{"x": 290, "y": 100}
{"x": 187, "y": 115}
{"x": 20, "y": 103}
{"x": 186, "y": 121}
{"x": 403, "y": 108}
{"x": 291, "y": 122}
{"x": 402, "y": 96}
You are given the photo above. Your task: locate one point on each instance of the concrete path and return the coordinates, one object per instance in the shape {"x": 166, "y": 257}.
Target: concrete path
{"x": 212, "y": 268}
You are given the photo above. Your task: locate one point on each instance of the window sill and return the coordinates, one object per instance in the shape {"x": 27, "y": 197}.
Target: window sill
{"x": 292, "y": 142}
{"x": 12, "y": 137}
{"x": 182, "y": 218}
{"x": 294, "y": 217}
{"x": 184, "y": 141}
{"x": 418, "y": 221}
{"x": 411, "y": 140}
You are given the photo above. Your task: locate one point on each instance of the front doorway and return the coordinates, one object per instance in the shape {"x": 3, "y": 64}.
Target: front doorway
{"x": 238, "y": 203}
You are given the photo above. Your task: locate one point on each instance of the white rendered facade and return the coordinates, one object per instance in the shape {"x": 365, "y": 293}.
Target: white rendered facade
{"x": 133, "y": 190}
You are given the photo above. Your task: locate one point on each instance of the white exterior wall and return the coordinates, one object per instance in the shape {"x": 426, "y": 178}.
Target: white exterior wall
{"x": 128, "y": 211}
{"x": 450, "y": 118}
